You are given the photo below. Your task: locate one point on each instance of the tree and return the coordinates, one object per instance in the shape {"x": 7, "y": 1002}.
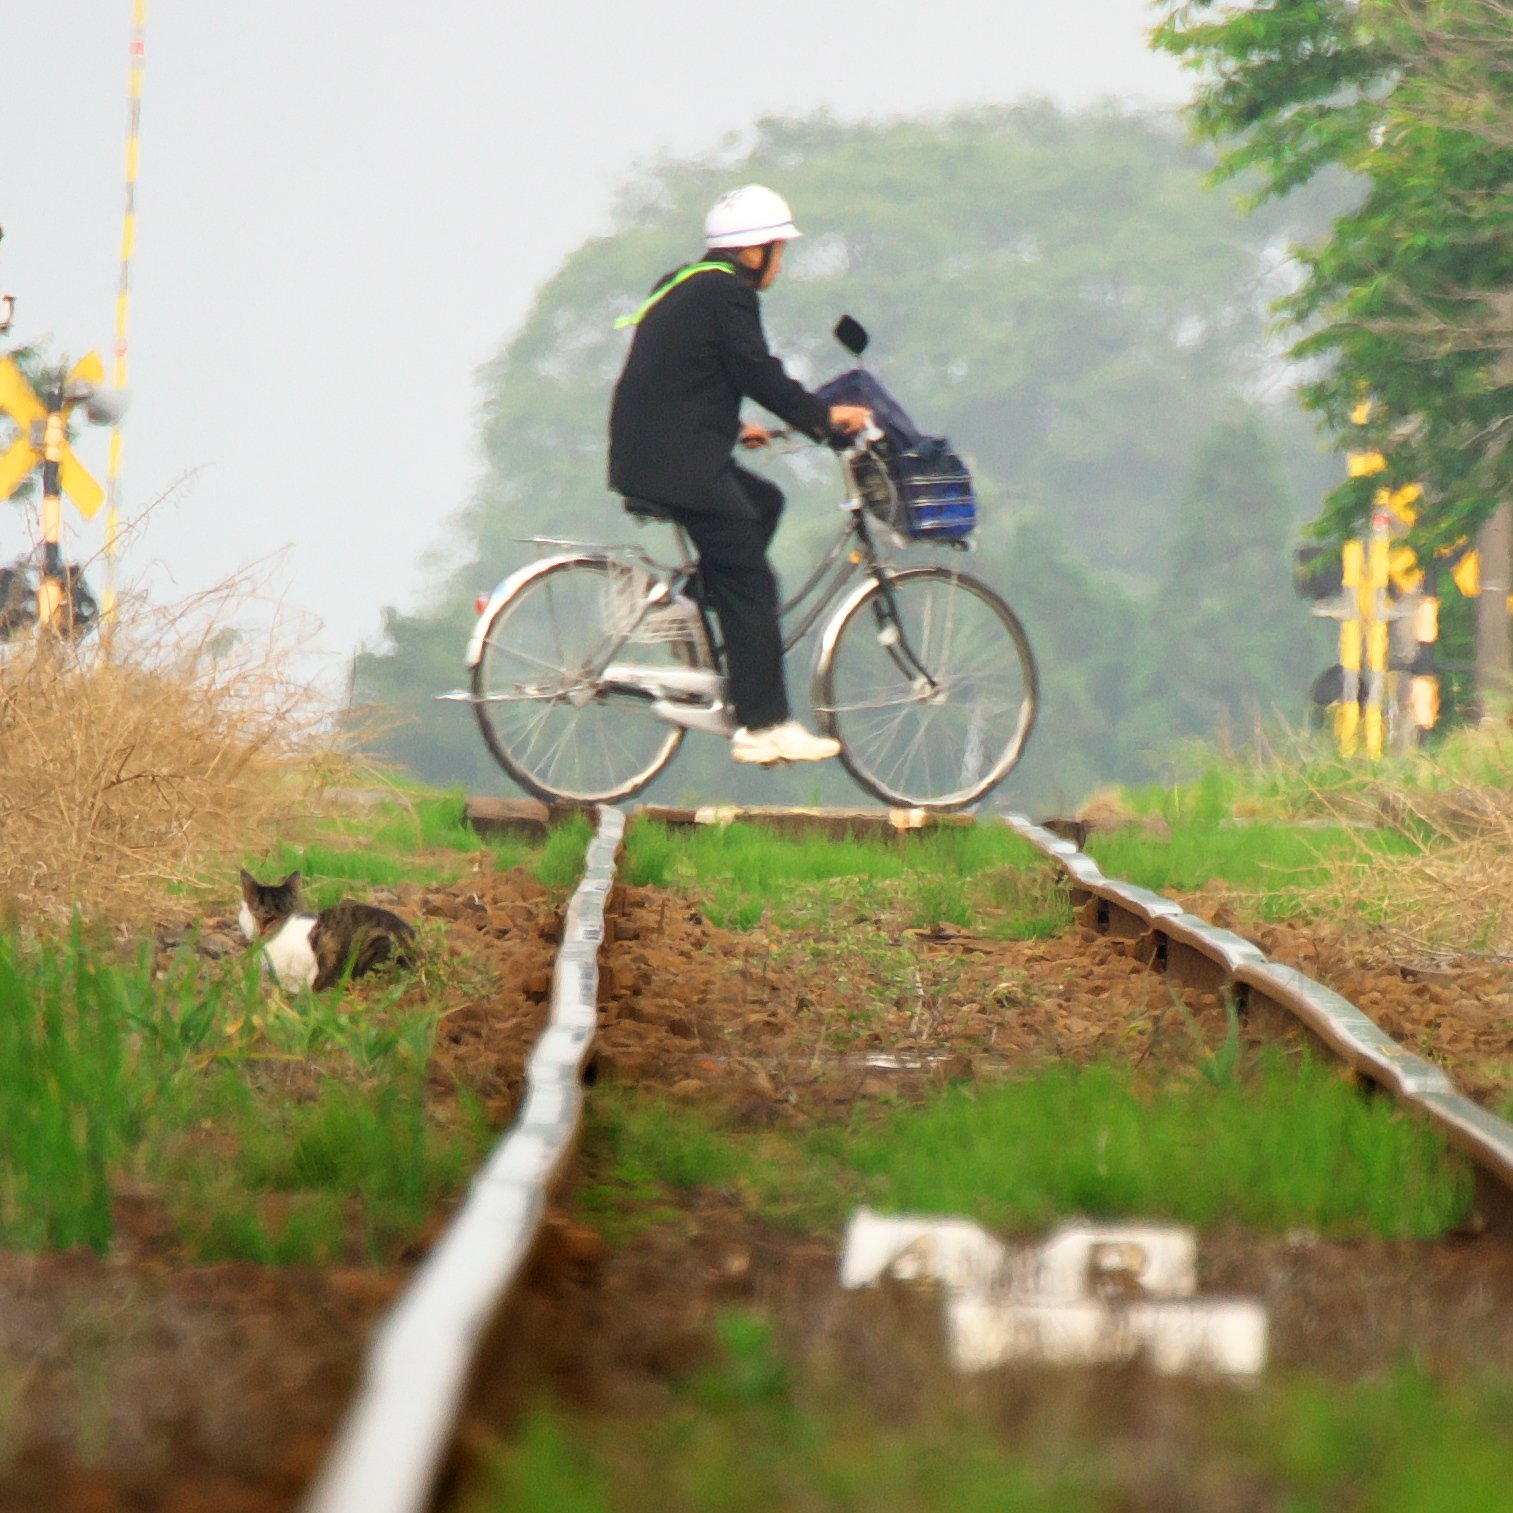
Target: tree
{"x": 1408, "y": 297}
{"x": 1231, "y": 645}
{"x": 1056, "y": 292}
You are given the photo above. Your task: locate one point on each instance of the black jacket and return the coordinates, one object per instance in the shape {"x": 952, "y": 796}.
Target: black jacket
{"x": 676, "y": 413}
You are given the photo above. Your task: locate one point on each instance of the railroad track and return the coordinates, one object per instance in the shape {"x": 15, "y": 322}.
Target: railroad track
{"x": 391, "y": 1451}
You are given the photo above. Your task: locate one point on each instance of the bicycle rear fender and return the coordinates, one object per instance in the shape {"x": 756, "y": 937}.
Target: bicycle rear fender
{"x": 511, "y": 585}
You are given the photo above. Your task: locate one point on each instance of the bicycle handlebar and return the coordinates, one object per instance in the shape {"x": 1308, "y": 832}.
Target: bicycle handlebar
{"x": 836, "y": 439}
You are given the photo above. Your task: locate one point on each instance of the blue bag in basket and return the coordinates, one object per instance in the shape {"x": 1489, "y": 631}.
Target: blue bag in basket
{"x": 859, "y": 387}
{"x": 931, "y": 497}
{"x": 934, "y": 491}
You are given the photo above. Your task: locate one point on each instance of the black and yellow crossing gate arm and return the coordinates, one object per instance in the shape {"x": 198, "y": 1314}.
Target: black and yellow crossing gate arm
{"x": 41, "y": 441}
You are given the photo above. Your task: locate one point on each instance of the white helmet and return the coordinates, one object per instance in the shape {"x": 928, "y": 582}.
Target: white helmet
{"x": 749, "y": 217}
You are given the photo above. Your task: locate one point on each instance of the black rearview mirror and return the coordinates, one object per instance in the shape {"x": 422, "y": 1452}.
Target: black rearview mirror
{"x": 852, "y": 335}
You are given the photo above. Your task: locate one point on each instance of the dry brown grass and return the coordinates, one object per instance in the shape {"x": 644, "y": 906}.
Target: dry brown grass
{"x": 1451, "y": 892}
{"x": 124, "y": 776}
{"x": 1452, "y": 895}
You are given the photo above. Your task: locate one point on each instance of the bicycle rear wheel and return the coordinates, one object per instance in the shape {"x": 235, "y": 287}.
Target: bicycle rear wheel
{"x": 558, "y": 731}
{"x": 930, "y": 687}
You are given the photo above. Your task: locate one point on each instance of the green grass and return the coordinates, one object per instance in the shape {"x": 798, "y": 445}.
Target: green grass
{"x": 360, "y": 1157}
{"x": 111, "y": 1069}
{"x": 560, "y": 862}
{"x": 1309, "y": 781}
{"x": 768, "y": 864}
{"x": 1291, "y": 1145}
{"x": 273, "y": 1127}
{"x": 979, "y": 877}
{"x": 329, "y": 872}
{"x": 67, "y": 1105}
{"x": 410, "y": 838}
{"x": 756, "y": 1430}
{"x": 1279, "y": 861}
{"x": 1277, "y": 1146}
{"x": 647, "y": 1152}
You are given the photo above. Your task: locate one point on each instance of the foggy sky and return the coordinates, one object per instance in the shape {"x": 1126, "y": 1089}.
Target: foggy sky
{"x": 344, "y": 209}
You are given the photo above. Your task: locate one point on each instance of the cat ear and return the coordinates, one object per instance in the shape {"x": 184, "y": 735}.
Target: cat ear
{"x": 249, "y": 882}
{"x": 292, "y": 881}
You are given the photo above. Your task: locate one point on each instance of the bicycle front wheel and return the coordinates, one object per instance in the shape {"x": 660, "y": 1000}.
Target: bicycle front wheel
{"x": 928, "y": 682}
{"x": 547, "y": 719}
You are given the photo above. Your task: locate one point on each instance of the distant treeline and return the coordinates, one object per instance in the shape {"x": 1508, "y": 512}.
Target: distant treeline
{"x": 1062, "y": 296}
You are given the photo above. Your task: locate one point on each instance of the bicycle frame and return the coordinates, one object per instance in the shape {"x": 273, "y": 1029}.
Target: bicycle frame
{"x": 853, "y": 554}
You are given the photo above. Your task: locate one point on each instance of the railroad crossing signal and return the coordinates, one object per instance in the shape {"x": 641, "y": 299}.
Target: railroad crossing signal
{"x": 1385, "y": 681}
{"x": 42, "y": 432}
{"x": 42, "y": 440}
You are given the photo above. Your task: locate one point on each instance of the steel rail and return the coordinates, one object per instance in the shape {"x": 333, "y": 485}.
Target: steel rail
{"x": 390, "y": 1450}
{"x": 1197, "y": 954}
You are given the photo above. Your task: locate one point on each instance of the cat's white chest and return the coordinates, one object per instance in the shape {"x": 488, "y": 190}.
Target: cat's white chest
{"x": 289, "y": 955}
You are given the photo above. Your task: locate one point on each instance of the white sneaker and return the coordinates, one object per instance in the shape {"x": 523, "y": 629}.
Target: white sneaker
{"x": 788, "y": 742}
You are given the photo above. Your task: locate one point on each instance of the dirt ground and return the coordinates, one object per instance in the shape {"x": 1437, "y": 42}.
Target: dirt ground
{"x": 143, "y": 1382}
{"x": 702, "y": 1014}
{"x": 1458, "y": 1013}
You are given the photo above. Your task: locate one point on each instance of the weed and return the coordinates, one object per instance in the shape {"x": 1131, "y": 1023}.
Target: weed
{"x": 378, "y": 847}
{"x": 368, "y": 1146}
{"x": 328, "y": 870}
{"x": 730, "y": 909}
{"x": 645, "y": 1152}
{"x": 65, "y": 1067}
{"x": 937, "y": 900}
{"x": 983, "y": 877}
{"x": 1222, "y": 1066}
{"x": 550, "y": 1471}
{"x": 651, "y": 855}
{"x": 123, "y": 776}
{"x": 560, "y": 863}
{"x": 1288, "y": 1146}
{"x": 750, "y": 1372}
{"x": 510, "y": 852}
{"x": 1285, "y": 1145}
{"x": 1419, "y": 846}
{"x": 109, "y": 1065}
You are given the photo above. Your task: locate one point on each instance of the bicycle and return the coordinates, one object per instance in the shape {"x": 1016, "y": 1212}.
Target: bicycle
{"x": 590, "y": 665}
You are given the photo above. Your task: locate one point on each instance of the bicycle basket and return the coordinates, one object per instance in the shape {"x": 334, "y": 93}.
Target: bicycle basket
{"x": 922, "y": 494}
{"x": 627, "y": 588}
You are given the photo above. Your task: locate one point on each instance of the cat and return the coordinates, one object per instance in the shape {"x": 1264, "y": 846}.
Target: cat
{"x": 305, "y": 950}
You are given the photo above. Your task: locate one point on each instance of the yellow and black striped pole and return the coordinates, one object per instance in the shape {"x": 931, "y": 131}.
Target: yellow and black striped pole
{"x": 123, "y": 312}
{"x": 51, "y": 581}
{"x": 1374, "y": 624}
{"x": 1361, "y": 714}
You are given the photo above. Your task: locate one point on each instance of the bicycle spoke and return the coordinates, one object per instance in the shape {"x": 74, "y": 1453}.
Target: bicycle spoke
{"x": 550, "y": 726}
{"x": 518, "y": 654}
{"x": 939, "y": 712}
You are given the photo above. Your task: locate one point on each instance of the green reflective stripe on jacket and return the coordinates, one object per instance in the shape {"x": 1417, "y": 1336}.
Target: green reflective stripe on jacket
{"x": 668, "y": 287}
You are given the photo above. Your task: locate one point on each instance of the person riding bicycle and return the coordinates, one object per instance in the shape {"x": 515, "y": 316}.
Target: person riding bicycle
{"x": 699, "y": 350}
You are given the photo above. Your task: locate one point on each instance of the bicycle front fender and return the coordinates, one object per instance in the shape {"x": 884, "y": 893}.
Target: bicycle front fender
{"x": 830, "y": 635}
{"x": 838, "y": 617}
{"x": 512, "y": 585}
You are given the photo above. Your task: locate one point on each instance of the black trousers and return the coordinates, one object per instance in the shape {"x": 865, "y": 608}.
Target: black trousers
{"x": 731, "y": 538}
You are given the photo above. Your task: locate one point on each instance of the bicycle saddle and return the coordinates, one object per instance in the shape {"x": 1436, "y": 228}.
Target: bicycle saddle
{"x": 645, "y": 509}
